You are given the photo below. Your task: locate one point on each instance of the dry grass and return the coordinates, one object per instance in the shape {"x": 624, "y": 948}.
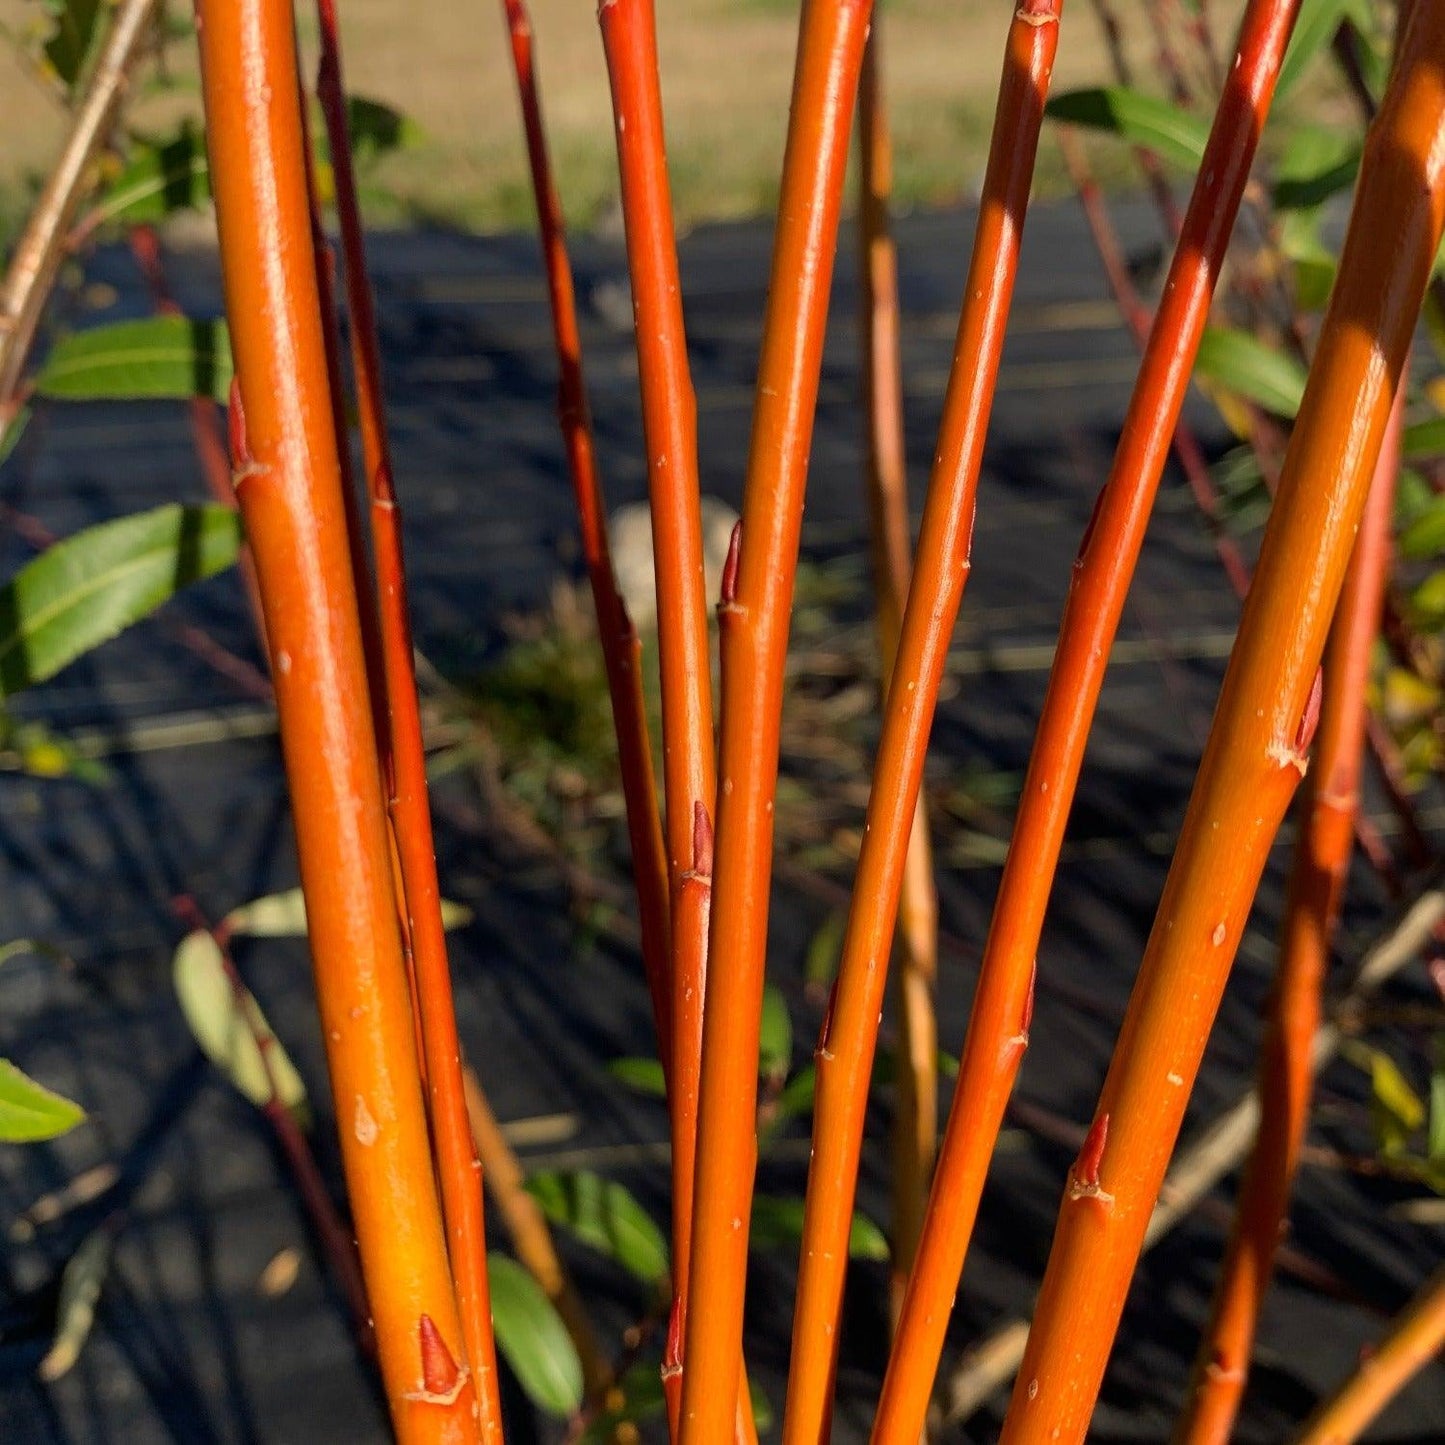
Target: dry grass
{"x": 726, "y": 68}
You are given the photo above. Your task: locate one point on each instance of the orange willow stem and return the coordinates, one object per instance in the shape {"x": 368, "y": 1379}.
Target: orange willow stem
{"x": 1317, "y": 884}
{"x": 458, "y": 1170}
{"x": 1255, "y": 753}
{"x": 915, "y": 1118}
{"x": 289, "y": 487}
{"x": 757, "y": 602}
{"x": 1417, "y": 1338}
{"x": 998, "y": 1024}
{"x": 669, "y": 422}
{"x": 620, "y": 647}
{"x": 941, "y": 569}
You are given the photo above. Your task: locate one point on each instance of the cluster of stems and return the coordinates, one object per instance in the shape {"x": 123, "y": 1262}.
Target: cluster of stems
{"x": 331, "y": 590}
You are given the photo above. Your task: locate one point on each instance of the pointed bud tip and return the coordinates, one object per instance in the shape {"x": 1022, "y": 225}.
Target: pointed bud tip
{"x": 702, "y": 840}
{"x": 236, "y": 427}
{"x": 440, "y": 1374}
{"x": 672, "y": 1352}
{"x": 1310, "y": 719}
{"x": 1091, "y": 1156}
{"x": 730, "y": 566}
{"x": 1028, "y": 1015}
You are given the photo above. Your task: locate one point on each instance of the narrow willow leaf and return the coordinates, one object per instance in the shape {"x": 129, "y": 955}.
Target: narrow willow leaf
{"x": 86, "y": 589}
{"x": 283, "y": 915}
{"x": 644, "y": 1075}
{"x": 1395, "y": 1108}
{"x": 1173, "y": 134}
{"x": 1425, "y": 439}
{"x": 778, "y": 1221}
{"x": 377, "y": 128}
{"x": 162, "y": 177}
{"x": 1425, "y": 536}
{"x": 1435, "y": 1134}
{"x": 775, "y": 1035}
{"x": 14, "y": 431}
{"x": 158, "y": 357}
{"x": 73, "y": 33}
{"x": 1314, "y": 29}
{"x": 824, "y": 950}
{"x": 80, "y": 1286}
{"x": 1244, "y": 365}
{"x": 533, "y": 1339}
{"x": 1318, "y": 162}
{"x": 30, "y": 1112}
{"x": 229, "y": 1025}
{"x": 604, "y": 1216}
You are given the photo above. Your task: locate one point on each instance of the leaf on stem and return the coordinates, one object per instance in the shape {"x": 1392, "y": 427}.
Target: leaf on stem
{"x": 1171, "y": 133}
{"x": 642, "y": 1074}
{"x": 159, "y": 357}
{"x": 1314, "y": 29}
{"x": 777, "y": 1221}
{"x": 605, "y": 1216}
{"x": 775, "y": 1037}
{"x": 29, "y": 1112}
{"x": 90, "y": 587}
{"x": 229, "y": 1025}
{"x": 1243, "y": 365}
{"x": 533, "y": 1339}
{"x": 80, "y": 1287}
{"x": 161, "y": 178}
{"x": 283, "y": 915}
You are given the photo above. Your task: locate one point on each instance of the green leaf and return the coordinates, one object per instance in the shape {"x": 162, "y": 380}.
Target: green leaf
{"x": 1242, "y": 364}
{"x": 80, "y": 1287}
{"x": 797, "y": 1095}
{"x": 160, "y": 357}
{"x": 90, "y": 587}
{"x": 1395, "y": 1108}
{"x": 1314, "y": 263}
{"x": 377, "y": 128}
{"x": 162, "y": 177}
{"x": 644, "y": 1075}
{"x": 71, "y": 38}
{"x": 1318, "y": 162}
{"x": 14, "y": 430}
{"x": 1425, "y": 535}
{"x": 1425, "y": 439}
{"x": 1172, "y": 134}
{"x": 283, "y": 915}
{"x": 777, "y": 1221}
{"x": 532, "y": 1337}
{"x": 29, "y": 1111}
{"x": 824, "y": 950}
{"x": 775, "y": 1036}
{"x": 605, "y": 1216}
{"x": 1314, "y": 29}
{"x": 1435, "y": 1134}
{"x": 230, "y": 1027}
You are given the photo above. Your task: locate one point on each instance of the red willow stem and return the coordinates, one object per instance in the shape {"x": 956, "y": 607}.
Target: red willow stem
{"x": 1317, "y": 886}
{"x": 998, "y": 1024}
{"x": 754, "y": 617}
{"x": 1416, "y": 1340}
{"x": 621, "y": 650}
{"x": 458, "y": 1170}
{"x": 669, "y": 422}
{"x": 1264, "y": 722}
{"x": 288, "y": 481}
{"x": 941, "y": 569}
{"x": 915, "y": 1114}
